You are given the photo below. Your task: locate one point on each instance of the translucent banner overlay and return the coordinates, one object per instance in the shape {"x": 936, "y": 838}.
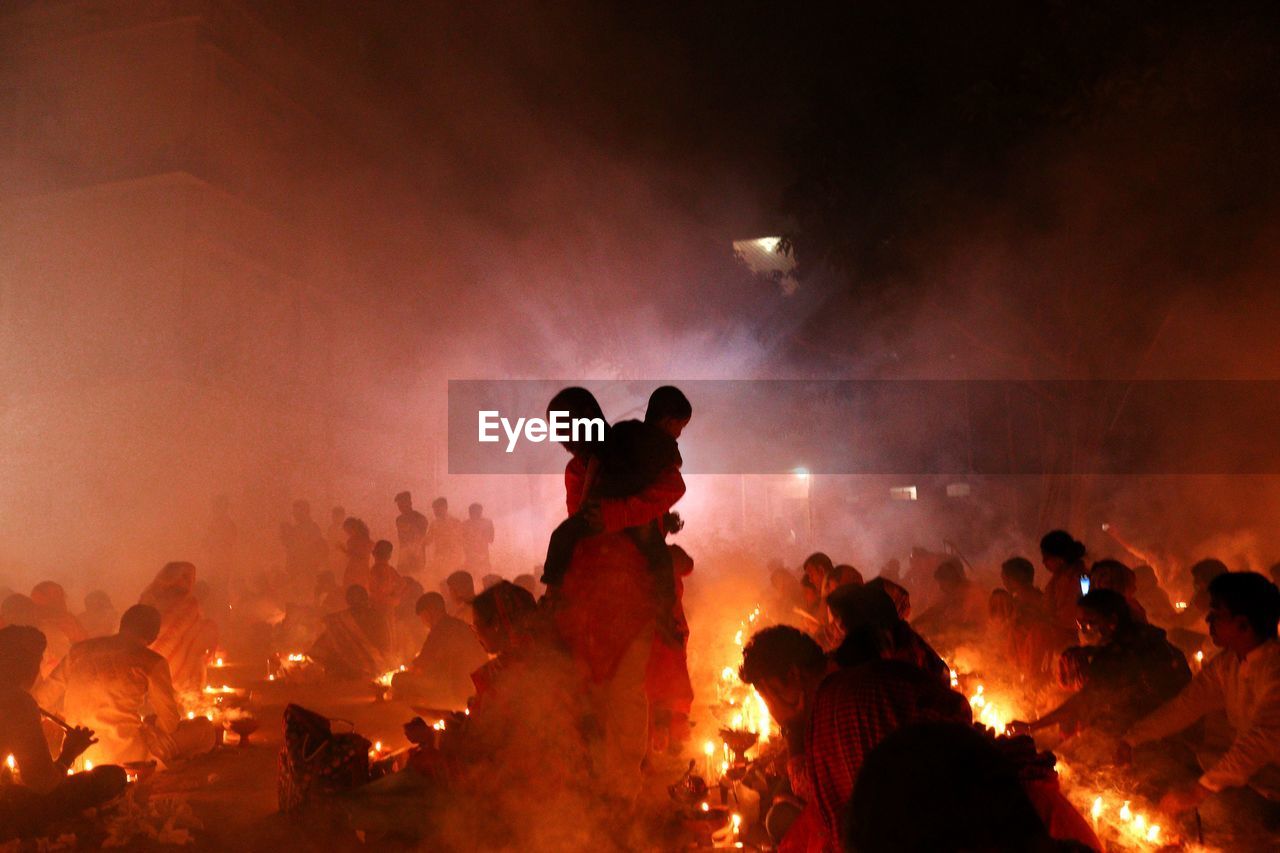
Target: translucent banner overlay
{"x": 947, "y": 427}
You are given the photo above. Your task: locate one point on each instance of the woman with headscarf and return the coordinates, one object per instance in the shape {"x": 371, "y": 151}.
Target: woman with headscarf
{"x": 60, "y": 628}
{"x": 186, "y": 637}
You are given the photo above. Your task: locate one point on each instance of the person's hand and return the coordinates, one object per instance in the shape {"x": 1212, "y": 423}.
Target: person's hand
{"x": 1183, "y": 798}
{"x": 1124, "y": 754}
{"x": 417, "y": 731}
{"x": 77, "y": 740}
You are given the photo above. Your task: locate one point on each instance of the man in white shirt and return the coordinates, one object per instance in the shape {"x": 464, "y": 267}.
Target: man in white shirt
{"x": 1242, "y": 681}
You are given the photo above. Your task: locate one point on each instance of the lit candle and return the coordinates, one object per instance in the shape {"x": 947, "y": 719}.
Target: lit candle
{"x": 710, "y": 749}
{"x": 1096, "y": 811}
{"x": 1125, "y": 814}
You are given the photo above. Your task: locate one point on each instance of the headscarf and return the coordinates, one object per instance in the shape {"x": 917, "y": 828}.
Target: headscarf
{"x": 173, "y": 583}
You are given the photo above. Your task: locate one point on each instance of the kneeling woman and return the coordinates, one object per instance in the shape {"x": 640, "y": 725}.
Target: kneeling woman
{"x": 45, "y": 793}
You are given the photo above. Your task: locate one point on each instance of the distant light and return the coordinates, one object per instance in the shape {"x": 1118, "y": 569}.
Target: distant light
{"x": 769, "y": 244}
{"x": 1084, "y": 586}
{"x": 903, "y": 493}
{"x": 957, "y": 490}
{"x": 801, "y": 473}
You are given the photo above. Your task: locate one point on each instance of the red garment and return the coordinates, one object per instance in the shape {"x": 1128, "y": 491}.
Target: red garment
{"x": 1060, "y": 818}
{"x": 606, "y": 600}
{"x": 620, "y": 513}
{"x": 666, "y": 679}
{"x": 854, "y": 710}
{"x": 807, "y": 834}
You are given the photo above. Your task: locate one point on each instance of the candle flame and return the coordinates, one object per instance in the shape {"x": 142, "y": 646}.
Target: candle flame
{"x": 1096, "y": 811}
{"x": 1125, "y": 814}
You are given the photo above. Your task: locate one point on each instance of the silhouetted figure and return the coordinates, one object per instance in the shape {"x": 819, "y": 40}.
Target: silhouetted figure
{"x": 411, "y": 530}
{"x": 186, "y": 638}
{"x": 445, "y": 537}
{"x": 1127, "y": 669}
{"x": 46, "y": 793}
{"x": 100, "y": 618}
{"x": 440, "y": 675}
{"x": 305, "y": 550}
{"x": 1063, "y": 556}
{"x": 477, "y": 536}
{"x": 359, "y": 551}
{"x": 354, "y": 642}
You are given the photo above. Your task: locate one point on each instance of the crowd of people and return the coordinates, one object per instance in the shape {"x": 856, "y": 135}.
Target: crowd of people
{"x": 852, "y": 683}
{"x": 574, "y": 677}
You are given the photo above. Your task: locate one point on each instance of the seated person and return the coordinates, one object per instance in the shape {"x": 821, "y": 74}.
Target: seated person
{"x": 459, "y": 592}
{"x": 961, "y": 608}
{"x": 1127, "y": 670}
{"x": 355, "y": 642}
{"x": 869, "y": 621}
{"x": 523, "y": 733}
{"x": 898, "y": 593}
{"x": 1243, "y": 681}
{"x": 1031, "y": 637}
{"x": 100, "y": 617}
{"x": 1154, "y": 600}
{"x": 60, "y": 628}
{"x": 44, "y": 794}
{"x": 385, "y": 583}
{"x": 109, "y": 684}
{"x": 440, "y": 676}
{"x": 186, "y": 636}
{"x": 1116, "y": 576}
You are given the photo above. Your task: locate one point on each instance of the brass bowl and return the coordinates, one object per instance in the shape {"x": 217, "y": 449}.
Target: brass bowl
{"x": 244, "y": 726}
{"x": 139, "y": 771}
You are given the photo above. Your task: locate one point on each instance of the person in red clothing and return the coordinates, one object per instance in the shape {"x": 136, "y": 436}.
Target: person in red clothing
{"x": 609, "y": 574}
{"x": 667, "y": 680}
{"x": 1063, "y": 556}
